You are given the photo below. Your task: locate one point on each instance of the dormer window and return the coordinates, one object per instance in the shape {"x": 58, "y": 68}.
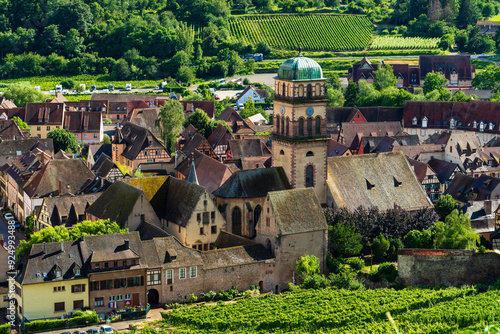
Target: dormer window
{"x": 474, "y": 124}
{"x": 481, "y": 126}
{"x": 58, "y": 272}
{"x": 491, "y": 125}
{"x": 77, "y": 271}
{"x": 424, "y": 122}
{"x": 452, "y": 123}
{"x": 414, "y": 121}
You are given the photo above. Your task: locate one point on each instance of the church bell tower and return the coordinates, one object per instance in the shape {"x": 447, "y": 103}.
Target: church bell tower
{"x": 299, "y": 132}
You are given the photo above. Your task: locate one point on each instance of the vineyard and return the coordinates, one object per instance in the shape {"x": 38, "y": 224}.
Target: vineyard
{"x": 312, "y": 32}
{"x": 396, "y": 43}
{"x": 312, "y": 311}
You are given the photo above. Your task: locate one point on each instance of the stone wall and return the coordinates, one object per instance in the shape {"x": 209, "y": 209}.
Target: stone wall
{"x": 432, "y": 267}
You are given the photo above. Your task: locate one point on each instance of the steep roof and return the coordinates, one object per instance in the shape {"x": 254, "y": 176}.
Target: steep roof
{"x": 182, "y": 198}
{"x": 103, "y": 166}
{"x": 461, "y": 187}
{"x": 443, "y": 169}
{"x": 154, "y": 188}
{"x": 291, "y": 220}
{"x": 420, "y": 169}
{"x": 207, "y": 106}
{"x": 382, "y": 180}
{"x": 146, "y": 118}
{"x": 254, "y": 183}
{"x": 352, "y": 133}
{"x": 460, "y": 63}
{"x": 136, "y": 139}
{"x": 226, "y": 240}
{"x": 148, "y": 231}
{"x": 413, "y": 151}
{"x": 234, "y": 256}
{"x": 64, "y": 204}
{"x": 109, "y": 247}
{"x": 370, "y": 114}
{"x": 335, "y": 148}
{"x": 39, "y": 263}
{"x": 82, "y": 121}
{"x": 10, "y": 130}
{"x": 211, "y": 173}
{"x": 170, "y": 253}
{"x": 11, "y": 147}
{"x": 116, "y": 203}
{"x": 67, "y": 175}
{"x": 237, "y": 123}
{"x": 253, "y": 147}
{"x": 44, "y": 113}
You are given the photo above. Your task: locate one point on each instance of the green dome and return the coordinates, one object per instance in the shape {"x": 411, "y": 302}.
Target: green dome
{"x": 300, "y": 68}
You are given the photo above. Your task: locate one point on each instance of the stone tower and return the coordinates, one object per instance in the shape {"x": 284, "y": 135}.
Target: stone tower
{"x": 299, "y": 131}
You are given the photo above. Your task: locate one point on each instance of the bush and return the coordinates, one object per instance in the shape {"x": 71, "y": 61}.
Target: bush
{"x": 209, "y": 296}
{"x": 356, "y": 263}
{"x": 316, "y": 282}
{"x": 385, "y": 271}
{"x": 68, "y": 84}
{"x": 5, "y": 329}
{"x": 335, "y": 265}
{"x": 346, "y": 280}
{"x": 481, "y": 288}
{"x": 193, "y": 298}
{"x": 394, "y": 246}
{"x": 380, "y": 245}
{"x": 89, "y": 317}
{"x": 482, "y": 249}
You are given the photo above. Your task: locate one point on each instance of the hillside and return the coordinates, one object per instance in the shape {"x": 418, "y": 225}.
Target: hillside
{"x": 311, "y": 311}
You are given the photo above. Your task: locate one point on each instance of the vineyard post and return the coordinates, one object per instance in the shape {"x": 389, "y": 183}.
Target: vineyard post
{"x": 293, "y": 281}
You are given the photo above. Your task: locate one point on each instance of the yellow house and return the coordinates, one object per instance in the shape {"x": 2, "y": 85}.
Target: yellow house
{"x": 51, "y": 281}
{"x": 44, "y": 117}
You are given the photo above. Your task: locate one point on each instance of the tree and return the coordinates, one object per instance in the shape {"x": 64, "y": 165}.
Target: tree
{"x": 351, "y": 94}
{"x": 384, "y": 77}
{"x": 455, "y": 233}
{"x": 61, "y": 233}
{"x": 121, "y": 70}
{"x": 380, "y": 245}
{"x": 63, "y": 140}
{"x": 20, "y": 123}
{"x": 263, "y": 47}
{"x": 433, "y": 80}
{"x": 200, "y": 120}
{"x": 335, "y": 97}
{"x": 460, "y": 96}
{"x": 185, "y": 74}
{"x": 68, "y": 84}
{"x": 307, "y": 266}
{"x": 170, "y": 122}
{"x": 435, "y": 12}
{"x": 106, "y": 140}
{"x": 22, "y": 94}
{"x": 444, "y": 206}
{"x": 73, "y": 44}
{"x": 344, "y": 241}
{"x": 468, "y": 14}
{"x": 30, "y": 225}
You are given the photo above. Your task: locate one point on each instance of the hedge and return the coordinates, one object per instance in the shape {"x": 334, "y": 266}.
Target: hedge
{"x": 87, "y": 318}
{"x": 5, "y": 329}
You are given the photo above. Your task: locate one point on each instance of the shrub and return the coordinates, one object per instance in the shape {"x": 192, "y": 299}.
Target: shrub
{"x": 380, "y": 245}
{"x": 334, "y": 265}
{"x": 482, "y": 249}
{"x": 5, "y": 329}
{"x": 89, "y": 317}
{"x": 209, "y": 296}
{"x": 316, "y": 282}
{"x": 68, "y": 84}
{"x": 385, "y": 271}
{"x": 356, "y": 263}
{"x": 481, "y": 288}
{"x": 394, "y": 246}
{"x": 193, "y": 298}
{"x": 346, "y": 280}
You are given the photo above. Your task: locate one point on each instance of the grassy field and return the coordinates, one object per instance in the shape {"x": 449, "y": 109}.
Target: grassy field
{"x": 414, "y": 310}
{"x": 495, "y": 18}
{"x": 398, "y": 43}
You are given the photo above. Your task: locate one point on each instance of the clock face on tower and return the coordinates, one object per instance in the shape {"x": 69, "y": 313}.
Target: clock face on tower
{"x": 310, "y": 111}
{"x": 282, "y": 110}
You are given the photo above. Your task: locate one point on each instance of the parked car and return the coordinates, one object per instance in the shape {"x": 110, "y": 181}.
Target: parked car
{"x": 65, "y": 333}
{"x": 79, "y": 332}
{"x": 92, "y": 88}
{"x": 111, "y": 87}
{"x": 58, "y": 88}
{"x": 216, "y": 97}
{"x": 9, "y": 216}
{"x": 93, "y": 331}
{"x": 128, "y": 87}
{"x": 106, "y": 329}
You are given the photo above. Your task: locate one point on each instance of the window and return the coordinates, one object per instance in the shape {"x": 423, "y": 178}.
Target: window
{"x": 318, "y": 125}
{"x": 201, "y": 231}
{"x": 124, "y": 263}
{"x": 133, "y": 263}
{"x": 268, "y": 221}
{"x": 95, "y": 135}
{"x": 474, "y": 124}
{"x": 77, "y": 271}
{"x": 414, "y": 121}
{"x": 206, "y": 218}
{"x": 481, "y": 126}
{"x": 119, "y": 298}
{"x": 213, "y": 229}
{"x": 309, "y": 126}
{"x": 212, "y": 215}
{"x": 492, "y": 125}
{"x": 452, "y": 123}
{"x": 154, "y": 277}
{"x": 38, "y": 128}
{"x": 96, "y": 266}
{"x": 76, "y": 288}
{"x": 58, "y": 272}
{"x": 106, "y": 265}
{"x": 301, "y": 126}
{"x": 310, "y": 154}
{"x": 198, "y": 216}
{"x": 112, "y": 298}
{"x": 169, "y": 277}
{"x": 77, "y": 304}
{"x": 422, "y": 132}
{"x": 115, "y": 264}
{"x": 127, "y": 296}
{"x": 282, "y": 152}
{"x": 48, "y": 128}
{"x": 182, "y": 273}
{"x": 424, "y": 122}
{"x": 59, "y": 307}
{"x": 5, "y": 298}
{"x": 192, "y": 272}
{"x": 309, "y": 176}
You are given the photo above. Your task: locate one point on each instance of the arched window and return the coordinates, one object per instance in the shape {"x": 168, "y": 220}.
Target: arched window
{"x": 309, "y": 126}
{"x": 309, "y": 176}
{"x": 318, "y": 89}
{"x": 269, "y": 246}
{"x": 256, "y": 216}
{"x": 310, "y": 154}
{"x": 309, "y": 91}
{"x": 282, "y": 152}
{"x": 278, "y": 124}
{"x": 301, "y": 90}
{"x": 282, "y": 125}
{"x": 287, "y": 126}
{"x": 283, "y": 91}
{"x": 236, "y": 220}
{"x": 301, "y": 126}
{"x": 318, "y": 125}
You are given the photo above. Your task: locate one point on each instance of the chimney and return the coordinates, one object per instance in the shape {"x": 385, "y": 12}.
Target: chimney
{"x": 487, "y": 207}
{"x": 127, "y": 244}
{"x": 62, "y": 246}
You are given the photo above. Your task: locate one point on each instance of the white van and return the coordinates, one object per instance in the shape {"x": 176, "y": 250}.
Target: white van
{"x": 37, "y": 88}
{"x": 58, "y": 88}
{"x": 128, "y": 87}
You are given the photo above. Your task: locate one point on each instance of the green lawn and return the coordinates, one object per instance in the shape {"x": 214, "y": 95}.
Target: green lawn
{"x": 495, "y": 18}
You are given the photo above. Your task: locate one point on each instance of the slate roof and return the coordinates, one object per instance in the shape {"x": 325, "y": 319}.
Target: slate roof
{"x": 44, "y": 113}
{"x": 97, "y": 149}
{"x": 64, "y": 204}
{"x": 70, "y": 174}
{"x": 443, "y": 169}
{"x": 461, "y": 187}
{"x": 136, "y": 139}
{"x": 220, "y": 136}
{"x": 352, "y": 133}
{"x": 290, "y": 219}
{"x": 254, "y": 183}
{"x": 207, "y": 106}
{"x": 110, "y": 247}
{"x": 149, "y": 231}
{"x": 253, "y": 147}
{"x": 103, "y": 166}
{"x": 155, "y": 190}
{"x": 10, "y": 148}
{"x": 159, "y": 253}
{"x": 44, "y": 258}
{"x": 194, "y": 143}
{"x": 182, "y": 198}
{"x": 335, "y": 148}
{"x": 94, "y": 185}
{"x": 414, "y": 151}
{"x": 211, "y": 173}
{"x": 10, "y": 130}
{"x": 227, "y": 240}
{"x": 146, "y": 118}
{"x": 460, "y": 63}
{"x": 107, "y": 206}
{"x": 382, "y": 180}
{"x": 420, "y": 169}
